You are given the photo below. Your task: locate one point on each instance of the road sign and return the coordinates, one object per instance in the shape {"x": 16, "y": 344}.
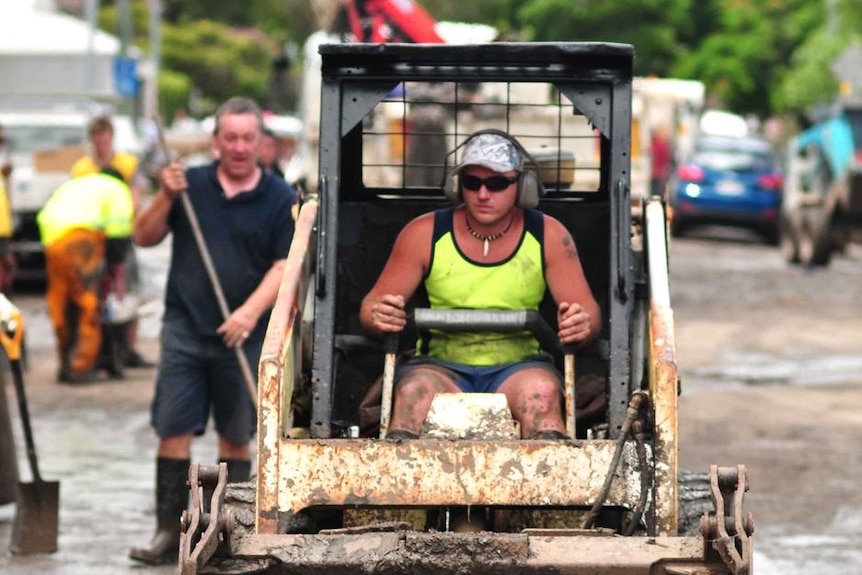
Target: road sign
{"x": 848, "y": 67}
{"x": 126, "y": 77}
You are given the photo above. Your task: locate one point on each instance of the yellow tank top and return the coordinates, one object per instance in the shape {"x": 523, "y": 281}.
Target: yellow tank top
{"x": 456, "y": 282}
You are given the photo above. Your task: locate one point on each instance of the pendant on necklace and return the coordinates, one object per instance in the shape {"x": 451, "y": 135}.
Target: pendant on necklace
{"x": 485, "y": 247}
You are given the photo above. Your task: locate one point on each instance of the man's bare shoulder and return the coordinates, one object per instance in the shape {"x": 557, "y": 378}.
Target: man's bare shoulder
{"x": 414, "y": 240}
{"x": 559, "y": 242}
{"x": 554, "y": 228}
{"x": 419, "y": 226}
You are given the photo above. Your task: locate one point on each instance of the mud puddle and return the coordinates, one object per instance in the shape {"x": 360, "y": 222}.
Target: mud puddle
{"x": 743, "y": 368}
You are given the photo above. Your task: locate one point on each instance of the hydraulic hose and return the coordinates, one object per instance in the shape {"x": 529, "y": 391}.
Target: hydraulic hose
{"x": 635, "y": 402}
{"x": 640, "y": 447}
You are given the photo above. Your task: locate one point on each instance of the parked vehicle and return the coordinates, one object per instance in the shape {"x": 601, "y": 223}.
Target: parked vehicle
{"x": 822, "y": 211}
{"x": 732, "y": 181}
{"x": 42, "y": 145}
{"x": 332, "y": 494}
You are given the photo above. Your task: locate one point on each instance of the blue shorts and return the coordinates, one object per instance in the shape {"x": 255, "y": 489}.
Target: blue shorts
{"x": 198, "y": 374}
{"x": 478, "y": 379}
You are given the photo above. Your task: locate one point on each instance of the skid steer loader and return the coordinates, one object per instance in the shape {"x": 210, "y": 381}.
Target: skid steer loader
{"x": 332, "y": 494}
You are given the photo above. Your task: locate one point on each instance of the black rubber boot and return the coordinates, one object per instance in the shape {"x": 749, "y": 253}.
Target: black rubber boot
{"x": 172, "y": 498}
{"x": 238, "y": 470}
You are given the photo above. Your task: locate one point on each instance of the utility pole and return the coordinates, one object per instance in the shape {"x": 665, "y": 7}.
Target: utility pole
{"x": 124, "y": 23}
{"x": 831, "y": 18}
{"x": 91, "y": 11}
{"x": 151, "y": 97}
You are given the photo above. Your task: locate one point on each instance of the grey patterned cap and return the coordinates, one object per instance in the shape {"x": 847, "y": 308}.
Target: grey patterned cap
{"x": 494, "y": 151}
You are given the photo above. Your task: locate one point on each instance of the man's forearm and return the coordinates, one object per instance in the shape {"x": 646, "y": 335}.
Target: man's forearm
{"x": 151, "y": 225}
{"x": 264, "y": 296}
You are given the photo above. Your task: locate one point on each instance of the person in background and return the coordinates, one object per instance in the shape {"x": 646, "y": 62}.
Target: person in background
{"x": 244, "y": 214}
{"x": 490, "y": 251}
{"x": 7, "y": 259}
{"x": 5, "y": 162}
{"x": 662, "y": 160}
{"x": 103, "y": 154}
{"x": 270, "y": 153}
{"x": 183, "y": 122}
{"x": 86, "y": 228}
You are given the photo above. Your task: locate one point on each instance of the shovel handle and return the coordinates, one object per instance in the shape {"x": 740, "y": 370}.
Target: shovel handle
{"x": 390, "y": 348}
{"x": 11, "y": 335}
{"x": 18, "y": 378}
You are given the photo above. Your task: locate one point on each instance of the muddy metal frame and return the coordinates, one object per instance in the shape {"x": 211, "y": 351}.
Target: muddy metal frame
{"x": 315, "y": 312}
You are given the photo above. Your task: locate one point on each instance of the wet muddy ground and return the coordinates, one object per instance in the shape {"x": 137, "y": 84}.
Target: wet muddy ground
{"x": 94, "y": 439}
{"x": 771, "y": 362}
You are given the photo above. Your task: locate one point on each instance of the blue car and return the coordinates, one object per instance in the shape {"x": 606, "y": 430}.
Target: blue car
{"x": 728, "y": 181}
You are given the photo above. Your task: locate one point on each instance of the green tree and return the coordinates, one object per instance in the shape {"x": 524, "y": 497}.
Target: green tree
{"x": 742, "y": 61}
{"x": 755, "y": 56}
{"x": 221, "y": 61}
{"x": 650, "y": 25}
{"x": 501, "y": 14}
{"x": 213, "y": 59}
{"x": 808, "y": 82}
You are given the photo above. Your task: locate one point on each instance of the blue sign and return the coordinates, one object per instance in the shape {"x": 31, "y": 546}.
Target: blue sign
{"x": 126, "y": 77}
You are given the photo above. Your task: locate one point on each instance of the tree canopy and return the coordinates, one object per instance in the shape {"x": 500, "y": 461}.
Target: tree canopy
{"x": 762, "y": 57}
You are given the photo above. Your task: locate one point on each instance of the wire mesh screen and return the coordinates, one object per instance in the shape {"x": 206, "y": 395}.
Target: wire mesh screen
{"x": 409, "y": 137}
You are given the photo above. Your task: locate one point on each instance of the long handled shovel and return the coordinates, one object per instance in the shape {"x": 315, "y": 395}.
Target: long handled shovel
{"x": 38, "y": 506}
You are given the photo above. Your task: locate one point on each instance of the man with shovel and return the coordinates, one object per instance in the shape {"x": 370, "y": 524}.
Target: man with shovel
{"x": 242, "y": 216}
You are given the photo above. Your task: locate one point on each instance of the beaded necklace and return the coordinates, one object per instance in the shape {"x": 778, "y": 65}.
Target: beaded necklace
{"x": 487, "y": 239}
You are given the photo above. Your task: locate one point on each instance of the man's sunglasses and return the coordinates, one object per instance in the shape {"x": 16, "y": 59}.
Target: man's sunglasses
{"x": 491, "y": 183}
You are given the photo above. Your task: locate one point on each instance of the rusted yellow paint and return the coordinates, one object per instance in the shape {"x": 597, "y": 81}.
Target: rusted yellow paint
{"x": 435, "y": 472}
{"x": 275, "y": 386}
{"x": 663, "y": 375}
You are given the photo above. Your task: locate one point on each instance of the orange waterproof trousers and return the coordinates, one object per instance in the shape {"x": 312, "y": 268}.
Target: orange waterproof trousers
{"x": 75, "y": 264}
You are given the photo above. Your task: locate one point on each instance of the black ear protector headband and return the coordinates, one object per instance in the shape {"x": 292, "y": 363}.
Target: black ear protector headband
{"x": 529, "y": 181}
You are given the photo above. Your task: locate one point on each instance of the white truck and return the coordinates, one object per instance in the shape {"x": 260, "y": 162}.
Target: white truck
{"x": 42, "y": 144}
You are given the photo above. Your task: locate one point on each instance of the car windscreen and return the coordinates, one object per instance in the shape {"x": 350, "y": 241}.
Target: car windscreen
{"x": 26, "y": 139}
{"x": 721, "y": 156}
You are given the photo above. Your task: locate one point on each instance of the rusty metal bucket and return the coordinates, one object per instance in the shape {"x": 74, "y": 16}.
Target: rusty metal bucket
{"x": 38, "y": 505}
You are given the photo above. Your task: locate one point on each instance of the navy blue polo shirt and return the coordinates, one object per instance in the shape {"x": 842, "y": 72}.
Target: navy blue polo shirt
{"x": 245, "y": 235}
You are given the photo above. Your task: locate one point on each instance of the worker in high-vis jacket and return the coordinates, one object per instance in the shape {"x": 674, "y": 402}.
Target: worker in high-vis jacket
{"x": 7, "y": 260}
{"x": 86, "y": 227}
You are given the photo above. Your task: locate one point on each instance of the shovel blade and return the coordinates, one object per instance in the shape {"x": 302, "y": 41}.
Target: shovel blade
{"x": 36, "y": 518}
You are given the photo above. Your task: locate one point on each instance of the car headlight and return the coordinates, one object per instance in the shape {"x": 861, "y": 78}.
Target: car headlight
{"x": 692, "y": 190}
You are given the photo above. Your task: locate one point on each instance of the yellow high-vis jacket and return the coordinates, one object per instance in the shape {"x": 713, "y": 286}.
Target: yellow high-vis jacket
{"x": 5, "y": 211}
{"x": 97, "y": 202}
{"x": 123, "y": 162}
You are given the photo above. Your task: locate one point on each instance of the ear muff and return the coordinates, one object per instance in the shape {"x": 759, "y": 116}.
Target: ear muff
{"x": 530, "y": 187}
{"x": 452, "y": 187}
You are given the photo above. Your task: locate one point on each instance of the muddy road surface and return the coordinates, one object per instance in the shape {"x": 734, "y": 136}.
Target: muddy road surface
{"x": 771, "y": 363}
{"x": 94, "y": 439}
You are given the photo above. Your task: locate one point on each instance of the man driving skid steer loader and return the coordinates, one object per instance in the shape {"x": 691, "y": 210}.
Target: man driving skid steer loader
{"x": 492, "y": 250}
{"x": 605, "y": 500}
